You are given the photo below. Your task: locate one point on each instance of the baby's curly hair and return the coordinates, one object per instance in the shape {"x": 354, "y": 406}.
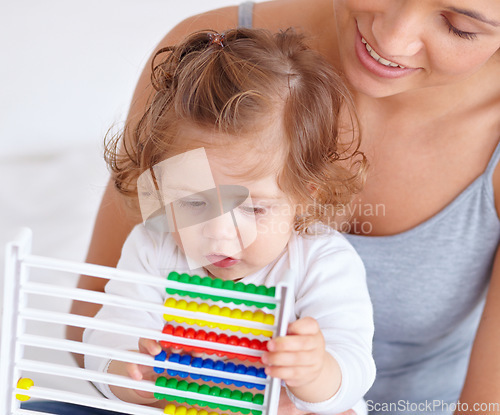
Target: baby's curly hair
{"x": 229, "y": 83}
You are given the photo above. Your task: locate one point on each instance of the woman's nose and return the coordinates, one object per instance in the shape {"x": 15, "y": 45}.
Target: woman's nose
{"x": 398, "y": 31}
{"x": 220, "y": 227}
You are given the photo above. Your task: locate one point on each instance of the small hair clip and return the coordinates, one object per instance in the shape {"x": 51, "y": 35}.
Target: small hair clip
{"x": 217, "y": 38}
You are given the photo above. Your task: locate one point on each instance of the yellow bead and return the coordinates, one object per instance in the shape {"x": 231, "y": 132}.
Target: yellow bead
{"x": 181, "y": 410}
{"x": 269, "y": 319}
{"x": 258, "y": 316}
{"x": 24, "y": 383}
{"x": 203, "y": 308}
{"x": 192, "y": 306}
{"x": 247, "y": 315}
{"x": 182, "y": 305}
{"x": 168, "y": 317}
{"x": 214, "y": 310}
{"x": 192, "y": 411}
{"x": 202, "y": 412}
{"x": 170, "y": 409}
{"x": 267, "y": 333}
{"x": 225, "y": 312}
{"x": 170, "y": 302}
{"x": 236, "y": 313}
{"x": 223, "y": 326}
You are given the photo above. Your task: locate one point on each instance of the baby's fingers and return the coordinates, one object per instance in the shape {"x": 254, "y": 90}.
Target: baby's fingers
{"x": 295, "y": 343}
{"x": 149, "y": 346}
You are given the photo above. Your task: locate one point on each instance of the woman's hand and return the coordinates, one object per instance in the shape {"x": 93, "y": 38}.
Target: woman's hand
{"x": 300, "y": 359}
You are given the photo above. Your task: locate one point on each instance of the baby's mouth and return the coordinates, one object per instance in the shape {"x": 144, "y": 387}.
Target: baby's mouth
{"x": 221, "y": 260}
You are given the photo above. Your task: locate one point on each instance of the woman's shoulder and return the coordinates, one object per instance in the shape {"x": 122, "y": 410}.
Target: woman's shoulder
{"x": 311, "y": 18}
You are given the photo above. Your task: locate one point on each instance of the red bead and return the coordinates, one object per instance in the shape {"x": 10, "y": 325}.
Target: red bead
{"x": 233, "y": 340}
{"x": 212, "y": 337}
{"x": 179, "y": 331}
{"x": 255, "y": 344}
{"x": 190, "y": 333}
{"x": 201, "y": 335}
{"x": 168, "y": 329}
{"x": 244, "y": 342}
{"x": 222, "y": 338}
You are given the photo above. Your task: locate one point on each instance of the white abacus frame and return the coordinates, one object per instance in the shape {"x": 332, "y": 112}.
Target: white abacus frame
{"x": 17, "y": 286}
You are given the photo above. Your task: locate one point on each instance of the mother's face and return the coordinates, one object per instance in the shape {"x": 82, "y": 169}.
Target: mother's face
{"x": 392, "y": 46}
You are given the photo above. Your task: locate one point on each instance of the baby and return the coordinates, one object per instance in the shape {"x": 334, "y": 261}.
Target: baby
{"x": 239, "y": 166}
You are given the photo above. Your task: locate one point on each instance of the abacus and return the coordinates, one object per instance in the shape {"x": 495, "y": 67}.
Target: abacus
{"x": 226, "y": 322}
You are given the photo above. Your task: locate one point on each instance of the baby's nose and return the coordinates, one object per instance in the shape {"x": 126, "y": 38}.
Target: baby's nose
{"x": 221, "y": 227}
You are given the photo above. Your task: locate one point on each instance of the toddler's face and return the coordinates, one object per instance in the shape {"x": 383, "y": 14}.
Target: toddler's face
{"x": 225, "y": 221}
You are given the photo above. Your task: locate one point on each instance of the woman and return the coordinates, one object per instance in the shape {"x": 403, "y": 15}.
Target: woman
{"x": 425, "y": 77}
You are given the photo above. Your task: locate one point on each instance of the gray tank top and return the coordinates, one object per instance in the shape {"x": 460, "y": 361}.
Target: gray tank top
{"x": 427, "y": 286}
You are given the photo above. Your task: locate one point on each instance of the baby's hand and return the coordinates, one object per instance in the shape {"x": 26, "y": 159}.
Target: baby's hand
{"x": 298, "y": 357}
{"x": 301, "y": 360}
{"x": 137, "y": 372}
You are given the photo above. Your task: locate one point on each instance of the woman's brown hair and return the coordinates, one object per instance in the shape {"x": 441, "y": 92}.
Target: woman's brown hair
{"x": 229, "y": 83}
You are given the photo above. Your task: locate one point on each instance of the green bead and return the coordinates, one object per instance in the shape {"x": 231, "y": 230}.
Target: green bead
{"x": 236, "y": 394}
{"x": 228, "y": 285}
{"x": 258, "y": 399}
{"x": 239, "y": 286}
{"x": 182, "y": 385}
{"x": 193, "y": 387}
{"x": 217, "y": 283}
{"x": 247, "y": 397}
{"x": 225, "y": 393}
{"x": 204, "y": 389}
{"x": 261, "y": 290}
{"x": 172, "y": 383}
{"x": 214, "y": 391}
{"x": 251, "y": 288}
{"x": 173, "y": 276}
{"x": 184, "y": 278}
{"x": 208, "y": 282}
{"x": 161, "y": 381}
{"x": 195, "y": 280}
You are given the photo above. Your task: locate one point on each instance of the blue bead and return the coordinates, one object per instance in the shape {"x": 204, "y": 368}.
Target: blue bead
{"x": 230, "y": 367}
{"x": 161, "y": 356}
{"x": 183, "y": 374}
{"x": 261, "y": 373}
{"x": 219, "y": 365}
{"x": 260, "y": 387}
{"x": 185, "y": 360}
{"x": 206, "y": 378}
{"x": 194, "y": 376}
{"x": 197, "y": 362}
{"x": 241, "y": 369}
{"x": 208, "y": 364}
{"x": 172, "y": 372}
{"x": 251, "y": 371}
{"x": 174, "y": 357}
{"x": 159, "y": 370}
{"x": 238, "y": 383}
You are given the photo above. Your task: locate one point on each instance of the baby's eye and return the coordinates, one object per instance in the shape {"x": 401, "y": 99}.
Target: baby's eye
{"x": 253, "y": 210}
{"x": 191, "y": 204}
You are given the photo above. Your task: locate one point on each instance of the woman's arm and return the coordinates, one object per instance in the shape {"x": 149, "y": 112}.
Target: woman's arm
{"x": 482, "y": 384}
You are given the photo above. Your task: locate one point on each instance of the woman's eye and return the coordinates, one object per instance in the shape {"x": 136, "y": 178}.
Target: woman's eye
{"x": 458, "y": 32}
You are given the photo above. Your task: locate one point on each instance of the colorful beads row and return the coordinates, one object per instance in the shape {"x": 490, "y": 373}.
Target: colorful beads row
{"x": 215, "y": 391}
{"x": 212, "y": 337}
{"x": 198, "y": 362}
{"x": 222, "y": 284}
{"x": 204, "y": 308}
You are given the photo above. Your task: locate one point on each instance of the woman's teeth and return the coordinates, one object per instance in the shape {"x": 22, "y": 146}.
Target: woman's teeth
{"x": 378, "y": 58}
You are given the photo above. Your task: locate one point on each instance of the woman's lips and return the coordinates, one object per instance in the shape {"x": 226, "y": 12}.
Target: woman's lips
{"x": 222, "y": 261}
{"x": 375, "y": 67}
